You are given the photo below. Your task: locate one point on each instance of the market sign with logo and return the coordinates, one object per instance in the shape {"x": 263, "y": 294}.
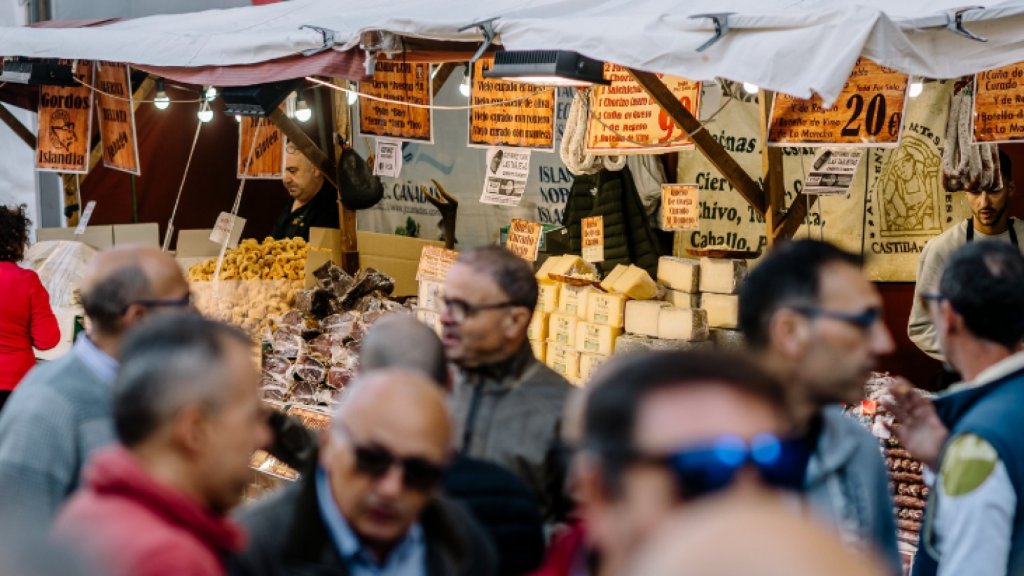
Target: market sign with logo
{"x": 65, "y": 125}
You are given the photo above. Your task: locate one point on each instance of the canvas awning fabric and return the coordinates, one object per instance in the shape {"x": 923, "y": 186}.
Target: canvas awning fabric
{"x": 793, "y": 46}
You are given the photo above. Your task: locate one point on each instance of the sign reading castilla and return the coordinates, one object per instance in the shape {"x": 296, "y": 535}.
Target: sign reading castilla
{"x": 65, "y": 125}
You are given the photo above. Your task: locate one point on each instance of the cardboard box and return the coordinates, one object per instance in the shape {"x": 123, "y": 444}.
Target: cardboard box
{"x": 324, "y": 247}
{"x": 101, "y": 237}
{"x": 141, "y": 234}
{"x": 396, "y": 256}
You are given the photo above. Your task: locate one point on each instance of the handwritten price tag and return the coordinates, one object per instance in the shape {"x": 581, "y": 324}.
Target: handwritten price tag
{"x": 524, "y": 239}
{"x": 680, "y": 207}
{"x": 593, "y": 239}
{"x": 999, "y": 105}
{"x": 435, "y": 262}
{"x": 227, "y": 229}
{"x": 84, "y": 220}
{"x": 869, "y": 112}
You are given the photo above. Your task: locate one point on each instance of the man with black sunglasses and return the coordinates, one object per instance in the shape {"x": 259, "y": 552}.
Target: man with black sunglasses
{"x": 61, "y": 412}
{"x": 370, "y": 506}
{"x": 507, "y": 405}
{"x": 813, "y": 321}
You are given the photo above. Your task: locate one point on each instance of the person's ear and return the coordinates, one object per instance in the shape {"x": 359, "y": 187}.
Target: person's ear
{"x": 190, "y": 428}
{"x": 788, "y": 332}
{"x": 951, "y": 319}
{"x": 1011, "y": 188}
{"x": 133, "y": 314}
{"x": 517, "y": 321}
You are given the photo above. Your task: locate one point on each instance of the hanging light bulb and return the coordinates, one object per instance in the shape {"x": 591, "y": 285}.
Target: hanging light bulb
{"x": 211, "y": 93}
{"x": 750, "y": 88}
{"x": 916, "y": 88}
{"x": 302, "y": 111}
{"x": 161, "y": 101}
{"x": 353, "y": 97}
{"x": 465, "y": 87}
{"x": 238, "y": 118}
{"x": 205, "y": 113}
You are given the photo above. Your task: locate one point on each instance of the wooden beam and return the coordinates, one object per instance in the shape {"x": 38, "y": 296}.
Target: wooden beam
{"x": 305, "y": 144}
{"x": 444, "y": 71}
{"x": 793, "y": 219}
{"x": 746, "y": 186}
{"x": 14, "y": 124}
{"x": 772, "y": 172}
{"x": 342, "y": 115}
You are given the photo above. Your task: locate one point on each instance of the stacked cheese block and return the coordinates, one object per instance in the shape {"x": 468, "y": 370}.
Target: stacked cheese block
{"x": 428, "y": 302}
{"x": 720, "y": 282}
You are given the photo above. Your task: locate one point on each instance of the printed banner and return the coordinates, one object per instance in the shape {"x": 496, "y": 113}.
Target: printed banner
{"x": 833, "y": 171}
{"x": 117, "y": 117}
{"x": 526, "y": 123}
{"x": 507, "y": 172}
{"x": 65, "y": 125}
{"x": 267, "y": 162}
{"x": 869, "y": 112}
{"x": 524, "y": 239}
{"x": 680, "y": 207}
{"x": 999, "y": 104}
{"x": 624, "y": 107}
{"x": 593, "y": 239}
{"x": 398, "y": 82}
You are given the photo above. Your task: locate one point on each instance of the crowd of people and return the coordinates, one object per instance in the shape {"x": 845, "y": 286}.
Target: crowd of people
{"x": 464, "y": 455}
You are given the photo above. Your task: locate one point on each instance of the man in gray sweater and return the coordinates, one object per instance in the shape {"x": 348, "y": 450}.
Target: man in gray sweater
{"x": 61, "y": 412}
{"x": 815, "y": 323}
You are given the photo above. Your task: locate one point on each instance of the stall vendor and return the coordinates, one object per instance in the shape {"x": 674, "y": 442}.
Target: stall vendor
{"x": 314, "y": 199}
{"x": 989, "y": 221}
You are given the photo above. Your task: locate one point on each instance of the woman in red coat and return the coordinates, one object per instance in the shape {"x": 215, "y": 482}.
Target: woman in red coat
{"x": 26, "y": 320}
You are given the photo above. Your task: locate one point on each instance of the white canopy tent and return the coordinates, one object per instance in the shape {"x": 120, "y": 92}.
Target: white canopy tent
{"x": 792, "y": 46}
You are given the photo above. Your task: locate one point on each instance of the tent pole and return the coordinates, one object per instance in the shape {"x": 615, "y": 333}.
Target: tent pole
{"x": 750, "y": 190}
{"x": 772, "y": 171}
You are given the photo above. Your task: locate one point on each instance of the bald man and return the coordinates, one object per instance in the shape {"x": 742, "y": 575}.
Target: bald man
{"x": 314, "y": 199}
{"x": 371, "y": 506}
{"x": 61, "y": 413}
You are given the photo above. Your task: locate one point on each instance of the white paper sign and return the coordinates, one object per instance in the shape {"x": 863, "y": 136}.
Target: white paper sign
{"x": 388, "y": 159}
{"x": 833, "y": 171}
{"x": 227, "y": 230}
{"x": 84, "y": 220}
{"x": 505, "y": 176}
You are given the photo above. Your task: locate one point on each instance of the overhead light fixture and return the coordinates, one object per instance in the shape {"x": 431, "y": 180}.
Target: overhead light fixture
{"x": 353, "y": 97}
{"x": 302, "y": 111}
{"x": 238, "y": 118}
{"x": 465, "y": 88}
{"x": 161, "y": 101}
{"x": 750, "y": 88}
{"x": 205, "y": 113}
{"x": 916, "y": 88}
{"x": 258, "y": 100}
{"x": 45, "y": 72}
{"x": 211, "y": 93}
{"x": 547, "y": 68}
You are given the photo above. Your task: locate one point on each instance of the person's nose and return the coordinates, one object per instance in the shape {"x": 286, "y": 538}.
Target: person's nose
{"x": 391, "y": 484}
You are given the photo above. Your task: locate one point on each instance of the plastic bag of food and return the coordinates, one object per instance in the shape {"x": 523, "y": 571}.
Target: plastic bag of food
{"x": 316, "y": 301}
{"x": 346, "y": 326}
{"x": 333, "y": 279}
{"x": 367, "y": 281}
{"x": 60, "y": 265}
{"x": 310, "y": 370}
{"x": 287, "y": 343}
{"x": 339, "y": 376}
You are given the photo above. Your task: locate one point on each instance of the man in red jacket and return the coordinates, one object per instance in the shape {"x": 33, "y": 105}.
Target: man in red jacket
{"x": 186, "y": 408}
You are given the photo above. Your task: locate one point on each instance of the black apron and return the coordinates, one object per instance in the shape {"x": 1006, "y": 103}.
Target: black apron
{"x": 1013, "y": 233}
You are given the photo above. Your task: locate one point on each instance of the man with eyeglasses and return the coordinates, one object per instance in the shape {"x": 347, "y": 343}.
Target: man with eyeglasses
{"x": 662, "y": 430}
{"x": 507, "y": 405}
{"x": 371, "y": 506}
{"x": 61, "y": 413}
{"x": 971, "y": 435}
{"x": 813, "y": 321}
{"x": 990, "y": 220}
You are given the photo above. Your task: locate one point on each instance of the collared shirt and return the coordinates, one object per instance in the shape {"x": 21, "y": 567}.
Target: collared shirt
{"x": 408, "y": 558}
{"x": 320, "y": 212}
{"x": 101, "y": 363}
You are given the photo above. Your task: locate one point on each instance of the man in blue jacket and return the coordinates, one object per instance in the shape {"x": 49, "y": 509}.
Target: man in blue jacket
{"x": 813, "y": 320}
{"x": 971, "y": 434}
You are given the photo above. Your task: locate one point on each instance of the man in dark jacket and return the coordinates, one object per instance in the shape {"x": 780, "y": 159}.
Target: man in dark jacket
{"x": 371, "y": 505}
{"x": 507, "y": 405}
{"x": 974, "y": 523}
{"x": 314, "y": 199}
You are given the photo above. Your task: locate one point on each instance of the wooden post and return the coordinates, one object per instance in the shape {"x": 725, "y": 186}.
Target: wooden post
{"x": 750, "y": 190}
{"x": 14, "y": 124}
{"x": 342, "y": 114}
{"x": 772, "y": 171}
{"x": 444, "y": 71}
{"x": 795, "y": 217}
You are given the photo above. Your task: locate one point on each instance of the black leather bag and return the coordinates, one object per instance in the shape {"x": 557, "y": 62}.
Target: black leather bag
{"x": 359, "y": 188}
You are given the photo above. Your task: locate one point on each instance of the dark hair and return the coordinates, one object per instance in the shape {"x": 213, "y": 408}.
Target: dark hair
{"x": 14, "y": 225}
{"x": 789, "y": 275}
{"x": 1005, "y": 167}
{"x": 171, "y": 361}
{"x": 106, "y": 303}
{"x": 511, "y": 273}
{"x": 621, "y": 385}
{"x": 401, "y": 341}
{"x": 984, "y": 282}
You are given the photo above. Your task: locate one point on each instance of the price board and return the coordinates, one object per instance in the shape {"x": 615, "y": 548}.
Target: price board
{"x": 593, "y": 239}
{"x": 999, "y": 105}
{"x": 117, "y": 117}
{"x": 398, "y": 84}
{"x": 680, "y": 207}
{"x": 527, "y": 120}
{"x": 65, "y": 125}
{"x": 435, "y": 262}
{"x": 524, "y": 239}
{"x": 624, "y": 107}
{"x": 869, "y": 112}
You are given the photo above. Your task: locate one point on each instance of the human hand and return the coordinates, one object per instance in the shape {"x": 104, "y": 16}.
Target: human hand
{"x": 920, "y": 432}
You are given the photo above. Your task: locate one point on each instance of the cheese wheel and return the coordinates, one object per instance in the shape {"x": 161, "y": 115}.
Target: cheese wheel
{"x": 547, "y": 295}
{"x": 607, "y": 309}
{"x": 596, "y": 338}
{"x": 538, "y": 328}
{"x": 613, "y": 276}
{"x": 723, "y": 309}
{"x": 681, "y": 299}
{"x": 563, "y": 359}
{"x": 681, "y": 274}
{"x": 722, "y": 275}
{"x": 539, "y": 350}
{"x": 562, "y": 329}
{"x": 683, "y": 324}
{"x": 636, "y": 283}
{"x": 573, "y": 299}
{"x": 642, "y": 316}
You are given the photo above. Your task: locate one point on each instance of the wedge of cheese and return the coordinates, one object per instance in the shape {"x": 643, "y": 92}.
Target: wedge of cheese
{"x": 547, "y": 295}
{"x": 636, "y": 283}
{"x": 567, "y": 264}
{"x": 430, "y": 318}
{"x": 596, "y": 338}
{"x": 683, "y": 324}
{"x": 430, "y": 294}
{"x": 681, "y": 299}
{"x": 681, "y": 274}
{"x": 574, "y": 299}
{"x": 545, "y": 268}
{"x": 562, "y": 328}
{"x": 564, "y": 359}
{"x": 612, "y": 276}
{"x": 642, "y": 316}
{"x": 722, "y": 275}
{"x": 589, "y": 363}
{"x": 723, "y": 309}
{"x": 606, "y": 308}
{"x": 730, "y": 340}
{"x": 540, "y": 350}
{"x": 538, "y": 328}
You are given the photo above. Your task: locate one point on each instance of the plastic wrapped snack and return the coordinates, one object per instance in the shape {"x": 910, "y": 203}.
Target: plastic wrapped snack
{"x": 367, "y": 281}
{"x": 60, "y": 265}
{"x": 310, "y": 370}
{"x": 324, "y": 345}
{"x": 346, "y": 326}
{"x": 332, "y": 278}
{"x": 287, "y": 344}
{"x": 339, "y": 376}
{"x": 316, "y": 301}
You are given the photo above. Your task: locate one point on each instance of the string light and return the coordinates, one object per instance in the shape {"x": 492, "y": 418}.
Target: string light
{"x": 302, "y": 111}
{"x": 211, "y": 93}
{"x": 465, "y": 88}
{"x": 205, "y": 113}
{"x": 161, "y": 101}
{"x": 750, "y": 88}
{"x": 916, "y": 88}
{"x": 353, "y": 97}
